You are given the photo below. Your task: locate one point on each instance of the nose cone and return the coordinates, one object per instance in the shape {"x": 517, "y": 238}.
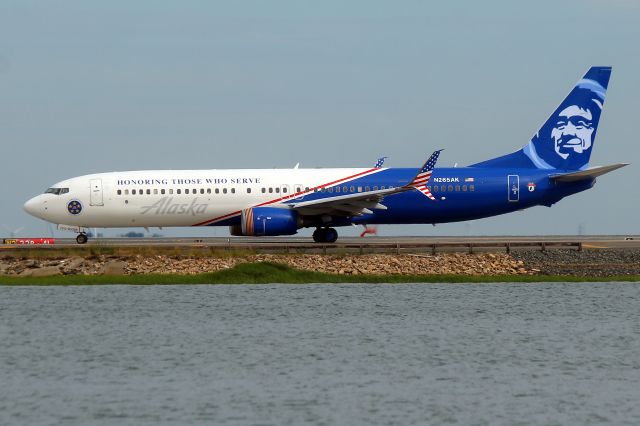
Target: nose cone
{"x": 33, "y": 207}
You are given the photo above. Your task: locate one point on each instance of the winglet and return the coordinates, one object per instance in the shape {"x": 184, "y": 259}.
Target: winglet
{"x": 421, "y": 179}
{"x": 423, "y": 176}
{"x": 380, "y": 162}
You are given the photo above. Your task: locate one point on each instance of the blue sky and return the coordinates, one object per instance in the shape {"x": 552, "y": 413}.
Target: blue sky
{"x": 103, "y": 86}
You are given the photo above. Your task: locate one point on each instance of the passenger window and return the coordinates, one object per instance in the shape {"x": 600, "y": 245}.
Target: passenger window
{"x": 298, "y": 189}
{"x": 233, "y": 190}
{"x": 186, "y": 191}
{"x": 217, "y": 190}
{"x": 352, "y": 189}
{"x": 148, "y": 192}
{"x": 284, "y": 190}
{"x": 443, "y": 188}
{"x": 140, "y": 192}
{"x": 178, "y": 191}
{"x": 464, "y": 188}
{"x": 435, "y": 188}
{"x": 264, "y": 190}
{"x": 208, "y": 190}
{"x": 277, "y": 190}
{"x": 162, "y": 191}
{"x": 133, "y": 191}
{"x": 126, "y": 192}
{"x": 382, "y": 187}
{"x": 119, "y": 192}
{"x": 155, "y": 192}
{"x": 450, "y": 188}
{"x": 248, "y": 190}
{"x": 331, "y": 190}
{"x": 457, "y": 188}
{"x": 337, "y": 189}
{"x": 202, "y": 190}
{"x": 224, "y": 190}
{"x": 171, "y": 191}
{"x": 367, "y": 189}
{"x": 306, "y": 189}
{"x": 359, "y": 189}
{"x": 270, "y": 190}
{"x": 472, "y": 187}
{"x": 375, "y": 188}
{"x": 195, "y": 191}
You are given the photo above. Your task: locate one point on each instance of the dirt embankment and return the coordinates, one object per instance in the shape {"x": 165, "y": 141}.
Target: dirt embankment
{"x": 376, "y": 264}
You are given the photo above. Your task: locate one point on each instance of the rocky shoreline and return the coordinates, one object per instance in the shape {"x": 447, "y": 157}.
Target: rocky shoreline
{"x": 370, "y": 264}
{"x": 585, "y": 263}
{"x": 592, "y": 263}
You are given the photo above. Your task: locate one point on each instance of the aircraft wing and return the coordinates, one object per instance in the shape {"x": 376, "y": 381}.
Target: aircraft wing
{"x": 347, "y": 205}
{"x": 589, "y": 173}
{"x": 362, "y": 203}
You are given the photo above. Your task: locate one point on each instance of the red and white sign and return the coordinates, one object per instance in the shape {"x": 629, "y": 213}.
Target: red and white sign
{"x": 531, "y": 186}
{"x": 30, "y": 241}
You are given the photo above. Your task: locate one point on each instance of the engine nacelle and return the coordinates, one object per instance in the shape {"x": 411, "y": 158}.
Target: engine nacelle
{"x": 269, "y": 221}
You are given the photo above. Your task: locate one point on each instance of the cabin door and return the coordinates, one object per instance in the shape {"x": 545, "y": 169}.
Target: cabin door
{"x": 96, "y": 192}
{"x": 514, "y": 188}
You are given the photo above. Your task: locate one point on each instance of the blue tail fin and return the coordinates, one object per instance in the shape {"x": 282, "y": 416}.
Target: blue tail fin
{"x": 566, "y": 139}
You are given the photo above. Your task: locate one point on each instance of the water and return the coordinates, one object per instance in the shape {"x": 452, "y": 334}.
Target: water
{"x": 480, "y": 354}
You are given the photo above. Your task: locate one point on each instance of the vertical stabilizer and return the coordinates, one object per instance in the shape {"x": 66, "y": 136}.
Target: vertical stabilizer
{"x": 566, "y": 139}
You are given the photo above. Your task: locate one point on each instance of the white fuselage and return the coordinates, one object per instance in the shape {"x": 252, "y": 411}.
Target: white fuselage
{"x": 164, "y": 198}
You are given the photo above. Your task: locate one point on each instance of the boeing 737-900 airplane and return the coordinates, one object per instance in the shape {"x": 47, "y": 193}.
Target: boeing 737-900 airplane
{"x": 553, "y": 165}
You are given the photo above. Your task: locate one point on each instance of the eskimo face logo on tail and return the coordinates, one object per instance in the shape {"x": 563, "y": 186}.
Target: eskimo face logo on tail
{"x": 573, "y": 131}
{"x": 566, "y": 139}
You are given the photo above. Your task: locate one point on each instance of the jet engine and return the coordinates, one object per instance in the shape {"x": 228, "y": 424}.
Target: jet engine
{"x": 267, "y": 221}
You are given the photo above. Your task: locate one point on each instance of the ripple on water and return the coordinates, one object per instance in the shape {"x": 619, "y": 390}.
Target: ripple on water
{"x": 321, "y": 354}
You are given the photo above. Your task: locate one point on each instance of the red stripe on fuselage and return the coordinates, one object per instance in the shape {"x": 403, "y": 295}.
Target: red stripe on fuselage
{"x": 288, "y": 197}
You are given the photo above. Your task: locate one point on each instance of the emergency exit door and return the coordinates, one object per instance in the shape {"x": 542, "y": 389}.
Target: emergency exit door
{"x": 96, "y": 192}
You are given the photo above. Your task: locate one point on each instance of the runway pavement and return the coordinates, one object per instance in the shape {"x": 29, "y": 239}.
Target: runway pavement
{"x": 369, "y": 243}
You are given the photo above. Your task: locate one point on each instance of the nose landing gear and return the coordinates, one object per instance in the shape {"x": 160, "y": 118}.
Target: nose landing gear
{"x": 82, "y": 238}
{"x": 325, "y": 235}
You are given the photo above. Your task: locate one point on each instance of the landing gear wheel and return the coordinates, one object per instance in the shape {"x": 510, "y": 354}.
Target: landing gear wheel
{"x": 325, "y": 235}
{"x": 82, "y": 239}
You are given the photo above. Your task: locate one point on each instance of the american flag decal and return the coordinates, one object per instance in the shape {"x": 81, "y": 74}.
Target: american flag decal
{"x": 422, "y": 178}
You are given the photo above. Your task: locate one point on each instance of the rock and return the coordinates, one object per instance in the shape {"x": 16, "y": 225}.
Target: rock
{"x": 74, "y": 263}
{"x": 114, "y": 267}
{"x": 46, "y": 271}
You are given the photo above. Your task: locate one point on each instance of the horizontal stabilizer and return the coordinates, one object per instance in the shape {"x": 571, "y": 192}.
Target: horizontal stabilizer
{"x": 586, "y": 174}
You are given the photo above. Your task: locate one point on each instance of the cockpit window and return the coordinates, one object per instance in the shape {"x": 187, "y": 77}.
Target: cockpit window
{"x": 56, "y": 191}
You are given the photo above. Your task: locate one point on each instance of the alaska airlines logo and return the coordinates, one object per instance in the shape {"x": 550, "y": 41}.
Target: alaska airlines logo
{"x": 570, "y": 131}
{"x": 165, "y": 205}
{"x": 74, "y": 207}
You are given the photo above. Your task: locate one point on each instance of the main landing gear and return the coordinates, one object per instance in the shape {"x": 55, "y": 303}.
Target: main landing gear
{"x": 325, "y": 235}
{"x": 82, "y": 238}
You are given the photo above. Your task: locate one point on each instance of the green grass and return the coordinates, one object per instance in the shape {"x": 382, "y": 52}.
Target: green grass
{"x": 264, "y": 273}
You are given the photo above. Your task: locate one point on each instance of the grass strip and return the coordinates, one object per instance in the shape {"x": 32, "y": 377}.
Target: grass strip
{"x": 268, "y": 273}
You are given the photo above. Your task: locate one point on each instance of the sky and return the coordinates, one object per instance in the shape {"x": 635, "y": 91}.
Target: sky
{"x": 102, "y": 86}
